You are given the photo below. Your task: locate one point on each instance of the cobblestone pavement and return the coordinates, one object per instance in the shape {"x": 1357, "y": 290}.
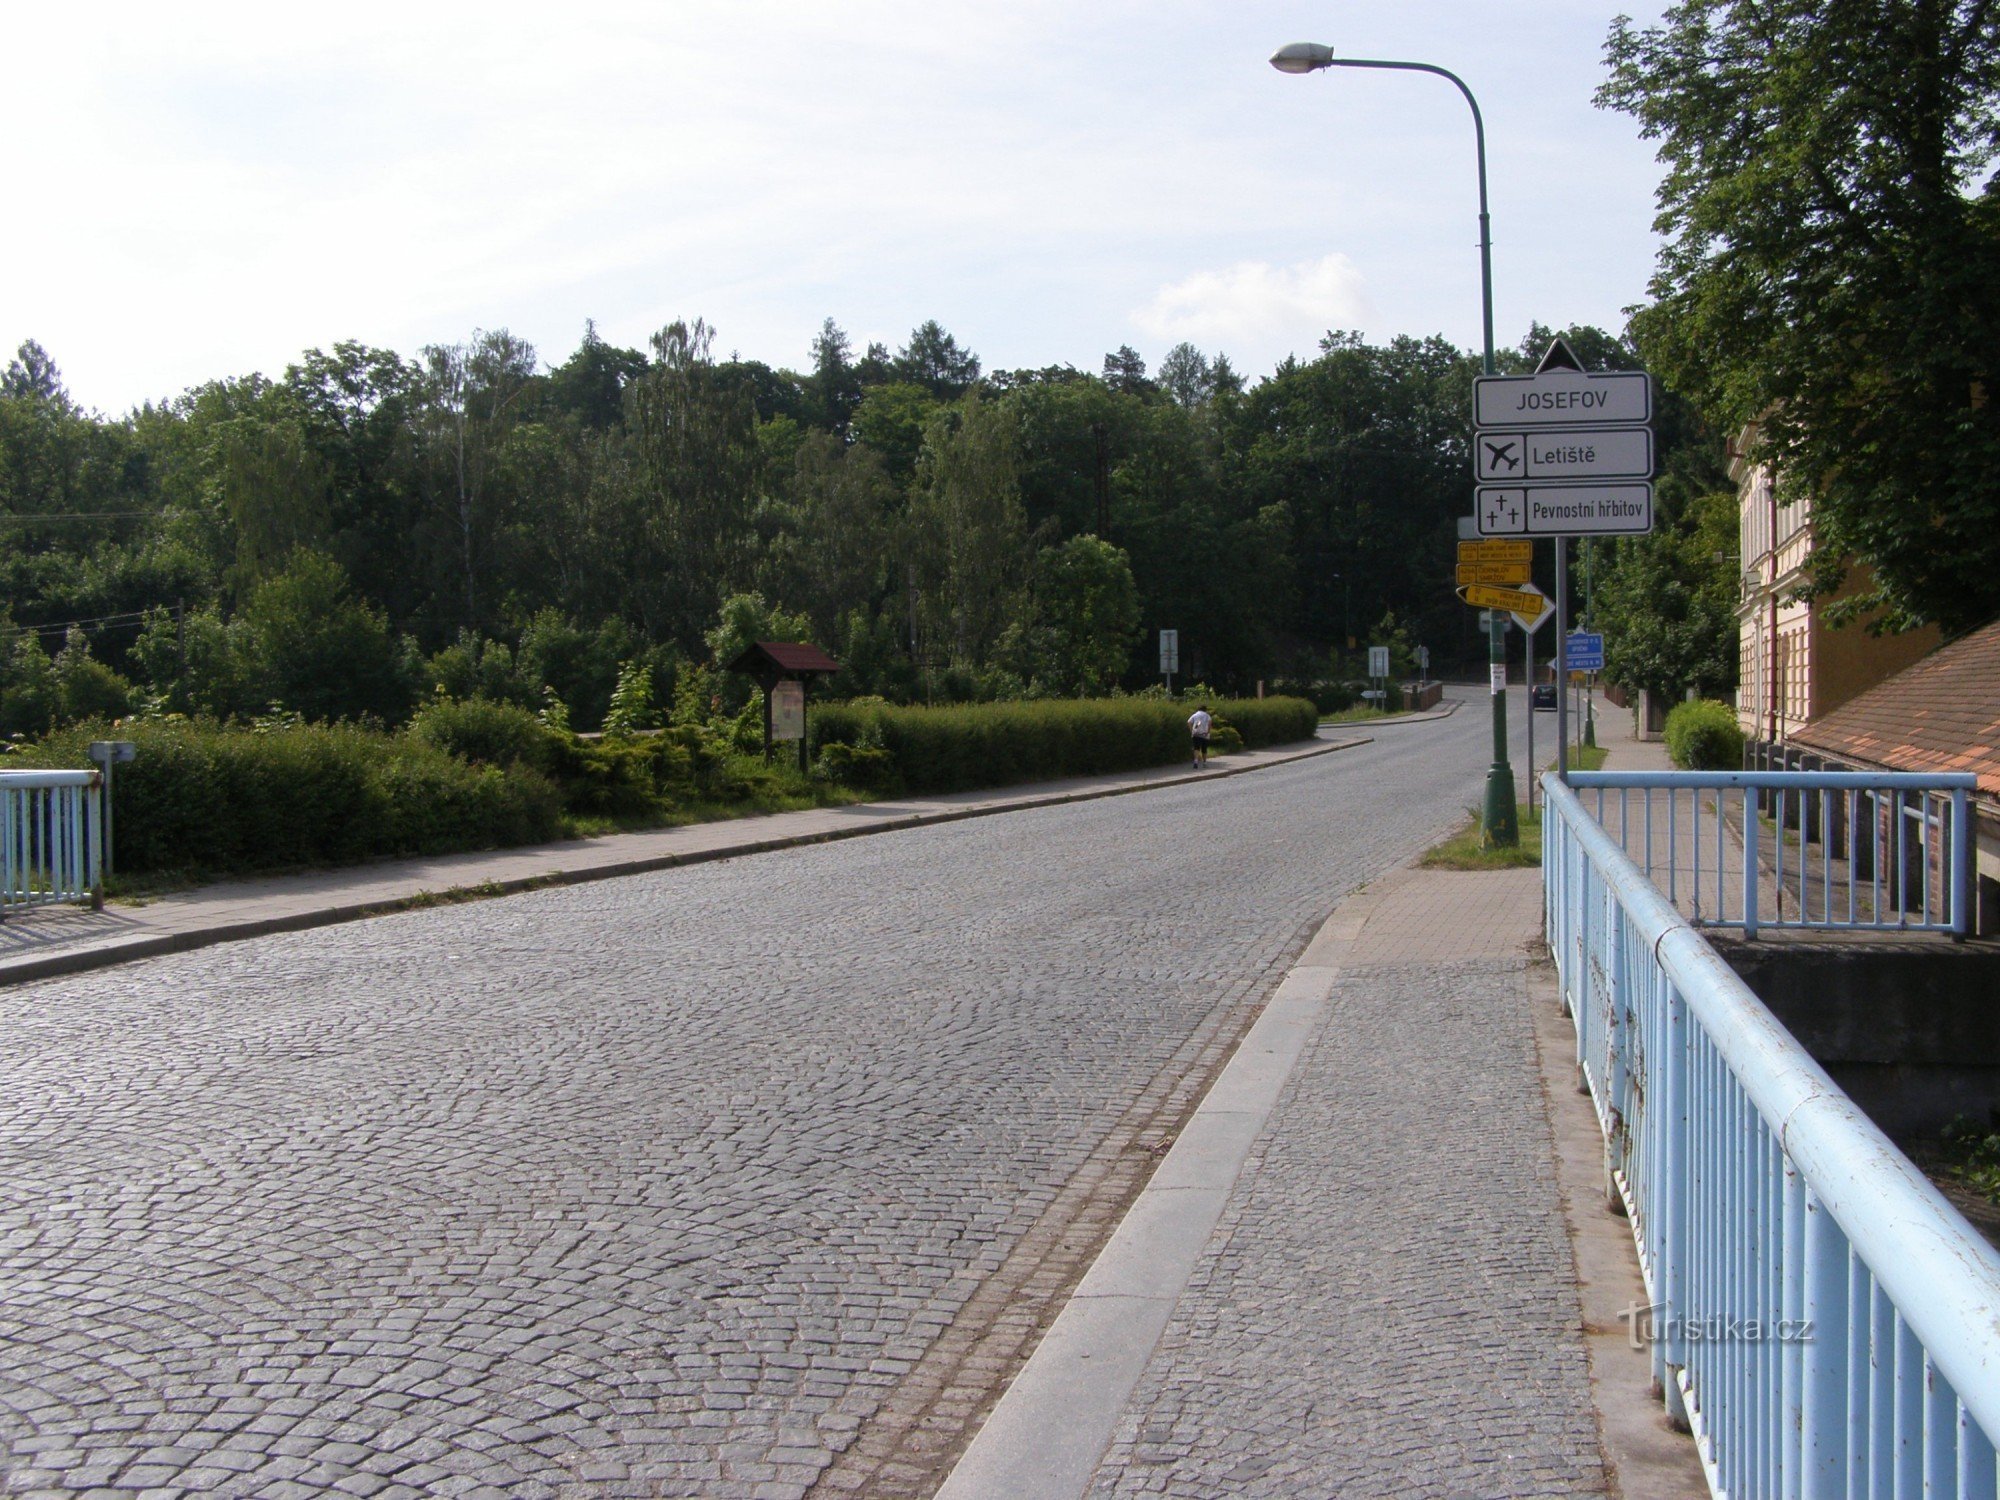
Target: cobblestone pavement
{"x": 1388, "y": 1305}
{"x": 660, "y": 1187}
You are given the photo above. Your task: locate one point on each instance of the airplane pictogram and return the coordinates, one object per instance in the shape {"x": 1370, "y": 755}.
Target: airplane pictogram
{"x": 1503, "y": 453}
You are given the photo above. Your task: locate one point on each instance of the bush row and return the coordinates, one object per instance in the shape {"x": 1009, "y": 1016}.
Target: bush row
{"x": 204, "y": 798}
{"x": 968, "y": 746}
{"x": 200, "y": 798}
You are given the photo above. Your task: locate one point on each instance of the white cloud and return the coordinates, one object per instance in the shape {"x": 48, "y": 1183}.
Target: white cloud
{"x": 1253, "y": 306}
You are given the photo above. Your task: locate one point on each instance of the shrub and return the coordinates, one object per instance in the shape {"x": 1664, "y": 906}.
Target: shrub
{"x": 611, "y": 778}
{"x": 486, "y": 733}
{"x": 1703, "y": 735}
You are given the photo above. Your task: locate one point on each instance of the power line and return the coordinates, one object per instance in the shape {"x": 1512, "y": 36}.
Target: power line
{"x": 72, "y": 515}
{"x": 63, "y": 627}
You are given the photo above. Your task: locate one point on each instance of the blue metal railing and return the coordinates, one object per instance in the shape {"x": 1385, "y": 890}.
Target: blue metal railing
{"x": 50, "y": 837}
{"x": 1823, "y": 1321}
{"x": 1889, "y": 851}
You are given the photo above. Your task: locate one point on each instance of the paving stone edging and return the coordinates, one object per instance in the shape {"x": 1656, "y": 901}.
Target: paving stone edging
{"x": 83, "y": 959}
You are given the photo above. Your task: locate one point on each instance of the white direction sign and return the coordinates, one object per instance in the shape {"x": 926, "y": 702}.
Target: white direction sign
{"x": 1564, "y": 509}
{"x": 1565, "y": 453}
{"x": 1563, "y": 398}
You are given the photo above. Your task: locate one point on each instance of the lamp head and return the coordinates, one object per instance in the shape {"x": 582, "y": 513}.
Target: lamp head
{"x": 1302, "y": 57}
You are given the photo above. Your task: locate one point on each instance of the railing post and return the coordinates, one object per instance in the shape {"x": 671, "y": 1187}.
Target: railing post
{"x": 1961, "y": 864}
{"x": 1824, "y": 1407}
{"x": 1671, "y": 1208}
{"x": 1751, "y": 829}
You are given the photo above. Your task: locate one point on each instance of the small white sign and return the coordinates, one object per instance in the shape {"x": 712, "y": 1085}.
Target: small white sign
{"x": 1565, "y": 453}
{"x": 788, "y": 711}
{"x": 1563, "y": 398}
{"x": 1496, "y": 676}
{"x": 1170, "y": 650}
{"x": 1565, "y": 510}
{"x": 1378, "y": 661}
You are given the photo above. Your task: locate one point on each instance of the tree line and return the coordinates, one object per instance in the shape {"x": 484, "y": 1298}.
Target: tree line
{"x": 369, "y": 528}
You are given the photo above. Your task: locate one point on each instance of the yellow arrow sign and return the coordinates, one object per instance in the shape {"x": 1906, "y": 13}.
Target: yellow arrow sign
{"x": 1517, "y": 601}
{"x": 1491, "y": 572}
{"x": 1493, "y": 552}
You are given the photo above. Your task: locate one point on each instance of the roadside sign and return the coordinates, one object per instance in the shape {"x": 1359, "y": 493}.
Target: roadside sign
{"x": 1583, "y": 651}
{"x": 1378, "y": 661}
{"x": 1170, "y": 650}
{"x": 1501, "y": 572}
{"x": 1563, "y": 398}
{"x": 1491, "y": 552}
{"x": 788, "y": 710}
{"x": 1528, "y": 605}
{"x": 1578, "y": 453}
{"x": 1565, "y": 509}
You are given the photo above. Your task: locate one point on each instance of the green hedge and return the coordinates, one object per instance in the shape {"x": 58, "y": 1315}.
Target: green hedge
{"x": 968, "y": 746}
{"x": 1703, "y": 735}
{"x": 203, "y": 798}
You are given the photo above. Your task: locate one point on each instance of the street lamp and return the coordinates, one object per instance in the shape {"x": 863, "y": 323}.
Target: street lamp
{"x": 1310, "y": 57}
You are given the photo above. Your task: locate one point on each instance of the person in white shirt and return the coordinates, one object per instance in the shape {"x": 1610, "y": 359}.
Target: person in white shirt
{"x": 1199, "y": 724}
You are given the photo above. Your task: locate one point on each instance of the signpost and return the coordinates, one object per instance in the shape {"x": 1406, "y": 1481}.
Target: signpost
{"x": 1564, "y": 509}
{"x": 1565, "y": 453}
{"x": 106, "y": 754}
{"x": 1583, "y": 651}
{"x": 788, "y": 710}
{"x": 1560, "y": 453}
{"x": 1561, "y": 395}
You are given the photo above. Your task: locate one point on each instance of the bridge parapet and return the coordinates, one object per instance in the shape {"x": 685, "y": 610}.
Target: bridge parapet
{"x": 1822, "y": 1320}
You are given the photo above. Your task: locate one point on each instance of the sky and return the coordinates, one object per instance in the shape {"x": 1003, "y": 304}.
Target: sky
{"x": 210, "y": 189}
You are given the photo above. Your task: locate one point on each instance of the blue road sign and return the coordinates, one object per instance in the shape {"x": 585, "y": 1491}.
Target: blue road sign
{"x": 1583, "y": 651}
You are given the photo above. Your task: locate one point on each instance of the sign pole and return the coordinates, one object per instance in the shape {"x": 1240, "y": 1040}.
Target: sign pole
{"x": 1529, "y": 635}
{"x": 1562, "y": 660}
{"x": 1590, "y": 683}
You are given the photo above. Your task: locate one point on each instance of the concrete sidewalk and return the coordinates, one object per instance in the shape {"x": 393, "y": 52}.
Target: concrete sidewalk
{"x": 1377, "y": 1261}
{"x": 41, "y": 942}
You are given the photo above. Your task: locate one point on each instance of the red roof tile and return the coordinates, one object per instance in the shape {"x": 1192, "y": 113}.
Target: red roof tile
{"x": 1943, "y": 714}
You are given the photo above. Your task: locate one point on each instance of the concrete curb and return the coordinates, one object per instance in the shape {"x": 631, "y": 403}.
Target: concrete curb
{"x": 152, "y": 945}
{"x": 1046, "y": 1436}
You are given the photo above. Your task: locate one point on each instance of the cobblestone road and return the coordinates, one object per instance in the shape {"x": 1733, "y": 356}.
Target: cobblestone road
{"x": 659, "y": 1187}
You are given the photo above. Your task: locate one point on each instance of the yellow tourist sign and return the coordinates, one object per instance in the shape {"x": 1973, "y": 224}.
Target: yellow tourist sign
{"x": 1496, "y": 552}
{"x": 1528, "y": 605}
{"x": 1493, "y": 572}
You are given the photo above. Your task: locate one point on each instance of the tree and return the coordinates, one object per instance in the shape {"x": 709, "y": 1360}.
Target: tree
{"x": 1832, "y": 269}
{"x": 1084, "y": 618}
{"x": 932, "y": 359}
{"x": 891, "y": 420}
{"x": 1125, "y": 372}
{"x": 1667, "y": 602}
{"x": 969, "y": 537}
{"x": 696, "y": 437}
{"x": 590, "y": 385}
{"x": 835, "y": 385}
{"x": 472, "y": 392}
{"x": 833, "y": 553}
{"x": 1185, "y": 375}
{"x": 320, "y": 650}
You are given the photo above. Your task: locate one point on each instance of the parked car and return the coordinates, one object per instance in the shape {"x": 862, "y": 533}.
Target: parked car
{"x": 1542, "y": 695}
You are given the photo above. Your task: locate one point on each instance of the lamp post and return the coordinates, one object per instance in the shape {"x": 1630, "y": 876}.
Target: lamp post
{"x": 1498, "y": 821}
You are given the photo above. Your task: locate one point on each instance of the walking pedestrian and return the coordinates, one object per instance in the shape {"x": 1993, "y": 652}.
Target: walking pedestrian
{"x": 1199, "y": 724}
